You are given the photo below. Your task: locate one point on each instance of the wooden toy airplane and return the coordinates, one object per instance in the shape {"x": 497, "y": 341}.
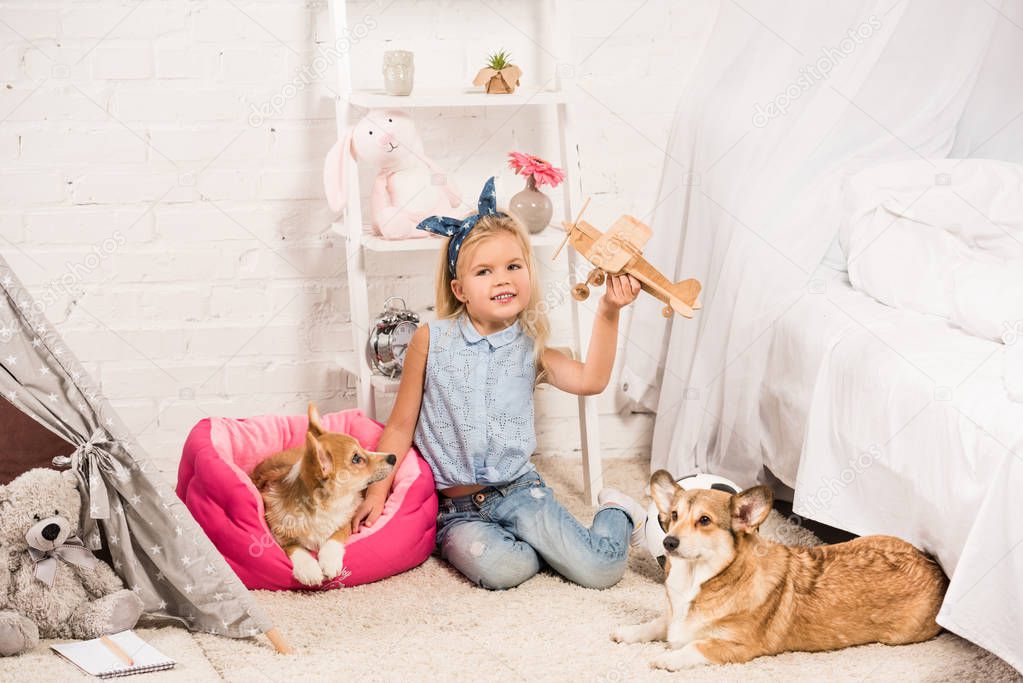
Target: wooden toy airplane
{"x": 620, "y": 251}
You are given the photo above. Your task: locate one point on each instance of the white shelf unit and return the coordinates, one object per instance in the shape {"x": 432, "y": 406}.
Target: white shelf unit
{"x": 430, "y": 245}
{"x": 439, "y": 97}
{"x": 358, "y": 240}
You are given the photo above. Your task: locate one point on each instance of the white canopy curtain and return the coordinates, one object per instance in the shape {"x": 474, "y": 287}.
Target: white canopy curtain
{"x": 787, "y": 100}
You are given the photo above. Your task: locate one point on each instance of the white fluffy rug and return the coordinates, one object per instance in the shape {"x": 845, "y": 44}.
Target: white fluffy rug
{"x": 431, "y": 624}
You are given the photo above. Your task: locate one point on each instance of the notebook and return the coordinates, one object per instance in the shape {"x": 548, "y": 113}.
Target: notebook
{"x": 95, "y": 658}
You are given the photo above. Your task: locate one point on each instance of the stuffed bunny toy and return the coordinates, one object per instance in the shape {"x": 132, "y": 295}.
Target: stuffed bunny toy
{"x": 51, "y": 585}
{"x": 409, "y": 186}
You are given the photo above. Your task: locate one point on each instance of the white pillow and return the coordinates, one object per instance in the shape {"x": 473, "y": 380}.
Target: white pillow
{"x": 978, "y": 200}
{"x": 944, "y": 239}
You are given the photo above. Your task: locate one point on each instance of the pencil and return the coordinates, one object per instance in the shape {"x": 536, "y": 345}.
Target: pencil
{"x": 116, "y": 649}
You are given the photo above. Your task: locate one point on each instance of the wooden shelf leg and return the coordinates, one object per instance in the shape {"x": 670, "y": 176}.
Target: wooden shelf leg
{"x": 589, "y": 431}
{"x": 358, "y": 292}
{"x": 279, "y": 643}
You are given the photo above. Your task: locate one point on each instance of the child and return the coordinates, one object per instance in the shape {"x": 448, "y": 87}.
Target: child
{"x": 466, "y": 397}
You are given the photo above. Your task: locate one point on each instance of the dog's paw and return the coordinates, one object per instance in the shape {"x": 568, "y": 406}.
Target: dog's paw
{"x": 666, "y": 662}
{"x": 676, "y": 660}
{"x": 332, "y": 558}
{"x": 639, "y": 633}
{"x": 306, "y": 569}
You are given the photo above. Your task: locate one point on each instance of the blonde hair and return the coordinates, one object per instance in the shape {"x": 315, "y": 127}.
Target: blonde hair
{"x": 532, "y": 318}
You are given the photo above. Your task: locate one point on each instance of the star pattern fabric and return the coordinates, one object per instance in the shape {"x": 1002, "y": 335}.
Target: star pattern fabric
{"x": 125, "y": 503}
{"x": 456, "y": 229}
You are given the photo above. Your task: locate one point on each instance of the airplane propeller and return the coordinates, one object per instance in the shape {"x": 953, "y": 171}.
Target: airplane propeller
{"x": 568, "y": 233}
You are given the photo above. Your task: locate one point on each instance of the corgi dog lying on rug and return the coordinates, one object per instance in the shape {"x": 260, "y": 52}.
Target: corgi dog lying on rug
{"x": 734, "y": 596}
{"x": 310, "y": 493}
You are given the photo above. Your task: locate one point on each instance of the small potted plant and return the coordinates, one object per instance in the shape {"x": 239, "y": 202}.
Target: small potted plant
{"x": 531, "y": 206}
{"x": 499, "y": 76}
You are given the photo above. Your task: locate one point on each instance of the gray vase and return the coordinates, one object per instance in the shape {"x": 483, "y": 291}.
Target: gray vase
{"x": 532, "y": 207}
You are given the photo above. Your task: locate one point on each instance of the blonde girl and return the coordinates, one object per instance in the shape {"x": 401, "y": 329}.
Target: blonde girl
{"x": 466, "y": 401}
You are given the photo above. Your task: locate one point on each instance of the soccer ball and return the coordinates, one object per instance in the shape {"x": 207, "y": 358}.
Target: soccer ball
{"x": 655, "y": 534}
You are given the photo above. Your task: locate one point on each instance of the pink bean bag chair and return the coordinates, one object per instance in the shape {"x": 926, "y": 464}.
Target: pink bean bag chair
{"x": 214, "y": 484}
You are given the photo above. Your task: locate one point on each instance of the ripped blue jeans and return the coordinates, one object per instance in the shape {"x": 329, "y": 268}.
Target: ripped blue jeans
{"x": 504, "y": 535}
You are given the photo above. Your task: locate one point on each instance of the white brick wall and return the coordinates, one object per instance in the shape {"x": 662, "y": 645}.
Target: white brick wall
{"x": 186, "y": 254}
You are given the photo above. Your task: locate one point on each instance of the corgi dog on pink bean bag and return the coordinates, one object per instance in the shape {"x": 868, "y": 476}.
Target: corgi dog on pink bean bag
{"x": 408, "y": 187}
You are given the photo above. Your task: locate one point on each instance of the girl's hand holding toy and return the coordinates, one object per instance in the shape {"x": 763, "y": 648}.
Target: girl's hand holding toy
{"x": 620, "y": 291}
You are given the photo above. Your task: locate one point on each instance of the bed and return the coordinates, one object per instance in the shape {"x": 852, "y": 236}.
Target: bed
{"x": 895, "y": 422}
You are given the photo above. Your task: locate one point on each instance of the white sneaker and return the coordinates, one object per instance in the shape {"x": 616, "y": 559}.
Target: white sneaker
{"x": 612, "y": 496}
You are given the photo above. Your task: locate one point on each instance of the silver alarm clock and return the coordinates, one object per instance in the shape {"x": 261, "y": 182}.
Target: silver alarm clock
{"x": 390, "y": 338}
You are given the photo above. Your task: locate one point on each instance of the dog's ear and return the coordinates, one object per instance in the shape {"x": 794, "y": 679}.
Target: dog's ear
{"x": 318, "y": 455}
{"x": 750, "y": 508}
{"x": 315, "y": 424}
{"x": 663, "y": 489}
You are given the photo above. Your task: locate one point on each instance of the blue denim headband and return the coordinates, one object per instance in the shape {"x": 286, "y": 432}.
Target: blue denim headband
{"x": 458, "y": 228}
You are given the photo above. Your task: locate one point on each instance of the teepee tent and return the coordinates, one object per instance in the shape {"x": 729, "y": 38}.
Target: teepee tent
{"x": 154, "y": 543}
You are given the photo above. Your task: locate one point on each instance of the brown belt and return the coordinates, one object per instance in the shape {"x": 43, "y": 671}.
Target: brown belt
{"x": 461, "y": 491}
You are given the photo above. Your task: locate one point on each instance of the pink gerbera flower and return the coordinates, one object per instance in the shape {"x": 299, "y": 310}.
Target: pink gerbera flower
{"x": 543, "y": 172}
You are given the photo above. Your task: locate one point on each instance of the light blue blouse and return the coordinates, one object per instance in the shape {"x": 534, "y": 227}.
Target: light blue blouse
{"x": 476, "y": 420}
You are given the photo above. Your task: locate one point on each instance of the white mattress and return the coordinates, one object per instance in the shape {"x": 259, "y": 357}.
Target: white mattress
{"x": 892, "y": 422}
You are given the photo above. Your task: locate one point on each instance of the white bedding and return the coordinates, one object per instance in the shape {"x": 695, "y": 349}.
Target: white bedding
{"x": 942, "y": 236}
{"x": 893, "y": 422}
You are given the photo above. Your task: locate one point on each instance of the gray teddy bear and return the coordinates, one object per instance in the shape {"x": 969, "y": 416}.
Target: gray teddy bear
{"x": 51, "y": 586}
